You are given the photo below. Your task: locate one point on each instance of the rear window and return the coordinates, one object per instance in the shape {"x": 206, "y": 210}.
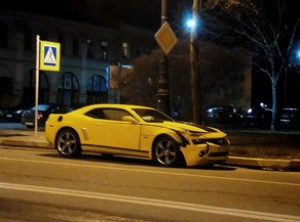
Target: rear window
{"x": 41, "y": 107}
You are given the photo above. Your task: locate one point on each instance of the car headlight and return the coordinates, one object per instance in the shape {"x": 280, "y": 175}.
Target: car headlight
{"x": 199, "y": 141}
{"x": 19, "y": 111}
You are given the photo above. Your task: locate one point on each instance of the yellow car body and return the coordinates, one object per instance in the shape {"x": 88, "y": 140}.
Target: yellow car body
{"x": 132, "y": 130}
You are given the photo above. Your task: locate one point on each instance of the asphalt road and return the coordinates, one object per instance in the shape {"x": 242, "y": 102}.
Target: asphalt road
{"x": 40, "y": 185}
{"x": 259, "y": 149}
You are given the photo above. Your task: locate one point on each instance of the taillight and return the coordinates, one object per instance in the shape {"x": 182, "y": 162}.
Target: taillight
{"x": 40, "y": 115}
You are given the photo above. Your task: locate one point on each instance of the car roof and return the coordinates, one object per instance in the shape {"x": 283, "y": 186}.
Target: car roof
{"x": 114, "y": 105}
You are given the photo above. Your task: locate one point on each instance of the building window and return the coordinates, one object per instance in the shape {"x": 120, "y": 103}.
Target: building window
{"x": 104, "y": 50}
{"x": 97, "y": 90}
{"x": 68, "y": 90}
{"x": 3, "y": 36}
{"x": 75, "y": 46}
{"x": 90, "y": 49}
{"x": 125, "y": 47}
{"x": 97, "y": 84}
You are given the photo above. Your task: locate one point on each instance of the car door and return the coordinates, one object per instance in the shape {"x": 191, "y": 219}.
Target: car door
{"x": 109, "y": 130}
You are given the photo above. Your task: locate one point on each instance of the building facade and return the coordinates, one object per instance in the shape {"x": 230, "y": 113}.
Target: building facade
{"x": 87, "y": 52}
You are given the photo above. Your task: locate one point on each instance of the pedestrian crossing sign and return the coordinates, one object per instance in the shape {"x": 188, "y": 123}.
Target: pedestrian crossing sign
{"x": 50, "y": 56}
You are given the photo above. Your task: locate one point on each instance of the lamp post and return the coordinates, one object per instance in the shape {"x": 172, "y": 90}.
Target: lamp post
{"x": 195, "y": 76}
{"x": 163, "y": 94}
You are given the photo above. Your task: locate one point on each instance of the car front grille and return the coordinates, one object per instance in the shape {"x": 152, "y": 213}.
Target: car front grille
{"x": 219, "y": 141}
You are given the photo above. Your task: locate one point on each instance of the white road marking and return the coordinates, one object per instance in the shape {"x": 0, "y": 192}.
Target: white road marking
{"x": 153, "y": 202}
{"x": 149, "y": 171}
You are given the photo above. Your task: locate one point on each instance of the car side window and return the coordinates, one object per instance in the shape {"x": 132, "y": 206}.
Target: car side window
{"x": 115, "y": 114}
{"x": 108, "y": 114}
{"x": 96, "y": 113}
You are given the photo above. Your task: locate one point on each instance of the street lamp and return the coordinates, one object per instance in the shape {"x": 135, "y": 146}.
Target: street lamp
{"x": 298, "y": 55}
{"x": 191, "y": 23}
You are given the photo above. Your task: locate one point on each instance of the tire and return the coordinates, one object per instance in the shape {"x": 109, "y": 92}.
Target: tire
{"x": 67, "y": 143}
{"x": 166, "y": 152}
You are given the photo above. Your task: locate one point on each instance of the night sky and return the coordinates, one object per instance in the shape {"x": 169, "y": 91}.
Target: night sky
{"x": 143, "y": 13}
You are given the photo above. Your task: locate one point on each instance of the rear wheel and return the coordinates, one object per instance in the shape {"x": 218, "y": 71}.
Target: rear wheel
{"x": 166, "y": 152}
{"x": 68, "y": 143}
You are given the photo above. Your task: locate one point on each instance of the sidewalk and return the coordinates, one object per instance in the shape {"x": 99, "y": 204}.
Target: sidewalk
{"x": 241, "y": 153}
{"x": 23, "y": 138}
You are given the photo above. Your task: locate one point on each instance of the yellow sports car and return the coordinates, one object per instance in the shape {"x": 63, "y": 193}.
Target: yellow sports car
{"x": 132, "y": 130}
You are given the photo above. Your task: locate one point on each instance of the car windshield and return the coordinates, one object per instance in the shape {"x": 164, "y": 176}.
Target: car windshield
{"x": 151, "y": 115}
{"x": 42, "y": 107}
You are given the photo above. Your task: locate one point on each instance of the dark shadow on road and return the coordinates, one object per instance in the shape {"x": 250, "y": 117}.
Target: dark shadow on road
{"x": 11, "y": 135}
{"x": 217, "y": 167}
{"x": 105, "y": 159}
{"x": 274, "y": 169}
{"x": 124, "y": 160}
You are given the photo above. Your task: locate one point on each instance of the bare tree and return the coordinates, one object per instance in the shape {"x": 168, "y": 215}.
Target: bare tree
{"x": 262, "y": 26}
{"x": 140, "y": 84}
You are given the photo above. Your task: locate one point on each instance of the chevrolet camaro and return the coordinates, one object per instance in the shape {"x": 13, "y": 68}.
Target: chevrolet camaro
{"x": 132, "y": 130}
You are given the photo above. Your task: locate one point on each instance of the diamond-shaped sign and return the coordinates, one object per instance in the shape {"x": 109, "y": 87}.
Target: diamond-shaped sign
{"x": 166, "y": 38}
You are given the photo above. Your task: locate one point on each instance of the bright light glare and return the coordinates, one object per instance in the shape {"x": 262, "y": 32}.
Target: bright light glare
{"x": 191, "y": 23}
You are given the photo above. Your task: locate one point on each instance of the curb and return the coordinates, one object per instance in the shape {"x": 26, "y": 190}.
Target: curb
{"x": 268, "y": 164}
{"x": 37, "y": 143}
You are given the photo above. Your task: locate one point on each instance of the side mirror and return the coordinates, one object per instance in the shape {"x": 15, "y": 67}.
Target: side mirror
{"x": 130, "y": 119}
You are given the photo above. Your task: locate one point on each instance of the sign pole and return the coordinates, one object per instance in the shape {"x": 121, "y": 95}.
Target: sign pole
{"x": 163, "y": 94}
{"x": 36, "y": 85}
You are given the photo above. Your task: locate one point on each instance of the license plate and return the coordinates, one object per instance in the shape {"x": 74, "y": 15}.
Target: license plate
{"x": 28, "y": 123}
{"x": 8, "y": 115}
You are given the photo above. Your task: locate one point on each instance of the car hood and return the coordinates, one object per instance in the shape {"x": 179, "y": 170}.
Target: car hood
{"x": 186, "y": 126}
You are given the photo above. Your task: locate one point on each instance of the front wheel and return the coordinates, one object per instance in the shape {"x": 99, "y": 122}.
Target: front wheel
{"x": 166, "y": 152}
{"x": 68, "y": 143}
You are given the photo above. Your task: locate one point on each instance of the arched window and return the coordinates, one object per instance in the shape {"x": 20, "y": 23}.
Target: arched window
{"x": 68, "y": 90}
{"x": 29, "y": 87}
{"x": 97, "y": 90}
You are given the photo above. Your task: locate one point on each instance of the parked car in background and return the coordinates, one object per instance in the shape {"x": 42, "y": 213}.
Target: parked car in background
{"x": 222, "y": 115}
{"x": 258, "y": 117}
{"x": 14, "y": 113}
{"x": 289, "y": 118}
{"x": 44, "y": 110}
{"x": 132, "y": 130}
{"x": 2, "y": 113}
